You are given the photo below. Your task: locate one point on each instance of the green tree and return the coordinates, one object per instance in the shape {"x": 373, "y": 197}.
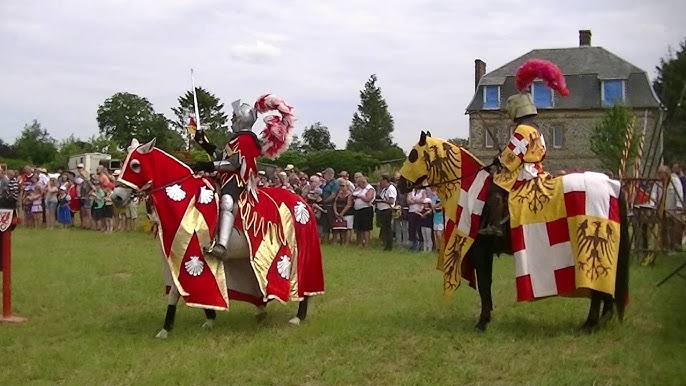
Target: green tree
{"x": 103, "y": 144}
{"x": 67, "y": 148}
{"x": 372, "y": 124}
{"x": 125, "y": 116}
{"x": 35, "y": 144}
{"x": 296, "y": 143}
{"x": 609, "y": 135}
{"x": 7, "y": 150}
{"x": 168, "y": 138}
{"x": 289, "y": 156}
{"x": 351, "y": 161}
{"x": 212, "y": 117}
{"x": 462, "y": 142}
{"x": 316, "y": 137}
{"x": 670, "y": 86}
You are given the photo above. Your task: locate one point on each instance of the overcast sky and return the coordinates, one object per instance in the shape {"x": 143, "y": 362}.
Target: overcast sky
{"x": 61, "y": 59}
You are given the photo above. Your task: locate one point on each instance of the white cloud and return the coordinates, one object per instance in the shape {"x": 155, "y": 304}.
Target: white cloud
{"x": 256, "y": 53}
{"x": 61, "y": 60}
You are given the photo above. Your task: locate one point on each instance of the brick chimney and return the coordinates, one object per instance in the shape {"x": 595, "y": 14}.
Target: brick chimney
{"x": 585, "y": 38}
{"x": 479, "y": 71}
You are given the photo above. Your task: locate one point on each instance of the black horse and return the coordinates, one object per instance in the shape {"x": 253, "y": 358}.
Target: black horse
{"x": 426, "y": 163}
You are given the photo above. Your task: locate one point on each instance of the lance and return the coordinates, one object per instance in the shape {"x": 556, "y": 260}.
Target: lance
{"x": 195, "y": 102}
{"x": 197, "y": 113}
{"x": 490, "y": 133}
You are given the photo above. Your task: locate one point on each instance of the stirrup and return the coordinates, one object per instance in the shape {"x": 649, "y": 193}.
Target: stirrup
{"x": 210, "y": 248}
{"x": 491, "y": 230}
{"x": 219, "y": 252}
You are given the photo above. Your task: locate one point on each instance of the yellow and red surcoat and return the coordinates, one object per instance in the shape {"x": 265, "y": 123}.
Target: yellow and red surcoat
{"x": 522, "y": 158}
{"x": 246, "y": 145}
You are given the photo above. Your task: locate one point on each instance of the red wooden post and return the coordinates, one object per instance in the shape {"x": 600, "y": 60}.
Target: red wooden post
{"x": 6, "y": 246}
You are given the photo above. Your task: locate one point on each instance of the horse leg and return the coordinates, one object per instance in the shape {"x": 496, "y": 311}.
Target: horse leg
{"x": 483, "y": 262}
{"x": 210, "y": 316}
{"x": 172, "y": 300}
{"x": 608, "y": 309}
{"x": 302, "y": 312}
{"x": 261, "y": 312}
{"x": 593, "y": 313}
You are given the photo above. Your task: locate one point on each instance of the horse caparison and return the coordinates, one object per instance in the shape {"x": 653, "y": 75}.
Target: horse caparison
{"x": 150, "y": 169}
{"x": 482, "y": 251}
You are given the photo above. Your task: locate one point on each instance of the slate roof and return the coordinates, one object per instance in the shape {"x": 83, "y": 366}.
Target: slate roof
{"x": 584, "y": 68}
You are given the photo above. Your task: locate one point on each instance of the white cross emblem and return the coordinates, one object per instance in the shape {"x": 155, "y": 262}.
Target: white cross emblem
{"x": 520, "y": 145}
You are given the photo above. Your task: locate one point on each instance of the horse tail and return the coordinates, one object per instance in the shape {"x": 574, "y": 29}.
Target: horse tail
{"x": 623, "y": 259}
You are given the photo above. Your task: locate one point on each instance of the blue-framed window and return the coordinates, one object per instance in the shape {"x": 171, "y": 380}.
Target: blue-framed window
{"x": 543, "y": 96}
{"x": 491, "y": 97}
{"x": 612, "y": 92}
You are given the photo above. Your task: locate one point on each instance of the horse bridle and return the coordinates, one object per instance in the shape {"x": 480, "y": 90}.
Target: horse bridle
{"x": 456, "y": 179}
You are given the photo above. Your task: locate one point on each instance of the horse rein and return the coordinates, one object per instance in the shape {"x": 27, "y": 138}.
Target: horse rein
{"x": 171, "y": 183}
{"x": 441, "y": 183}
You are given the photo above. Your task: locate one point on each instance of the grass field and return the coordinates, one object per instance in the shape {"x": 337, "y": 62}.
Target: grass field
{"x": 94, "y": 303}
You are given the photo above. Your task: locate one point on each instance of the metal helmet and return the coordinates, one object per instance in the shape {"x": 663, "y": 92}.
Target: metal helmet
{"x": 244, "y": 116}
{"x": 520, "y": 105}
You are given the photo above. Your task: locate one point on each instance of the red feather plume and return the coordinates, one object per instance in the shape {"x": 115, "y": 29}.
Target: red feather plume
{"x": 534, "y": 69}
{"x": 276, "y": 136}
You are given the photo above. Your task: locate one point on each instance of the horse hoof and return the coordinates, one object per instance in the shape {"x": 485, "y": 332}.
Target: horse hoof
{"x": 480, "y": 328}
{"x": 606, "y": 318}
{"x": 208, "y": 325}
{"x": 588, "y": 328}
{"x": 260, "y": 315}
{"x": 163, "y": 334}
{"x": 295, "y": 321}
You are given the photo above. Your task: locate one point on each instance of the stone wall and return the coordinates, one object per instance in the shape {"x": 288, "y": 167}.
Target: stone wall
{"x": 575, "y": 128}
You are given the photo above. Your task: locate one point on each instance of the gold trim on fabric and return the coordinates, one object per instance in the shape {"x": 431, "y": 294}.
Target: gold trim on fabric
{"x": 264, "y": 256}
{"x": 291, "y": 241}
{"x": 193, "y": 221}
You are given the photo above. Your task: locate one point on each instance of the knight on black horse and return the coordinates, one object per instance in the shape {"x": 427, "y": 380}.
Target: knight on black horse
{"x": 569, "y": 235}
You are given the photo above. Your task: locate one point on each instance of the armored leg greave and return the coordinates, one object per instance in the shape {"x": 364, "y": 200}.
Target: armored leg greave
{"x": 225, "y": 226}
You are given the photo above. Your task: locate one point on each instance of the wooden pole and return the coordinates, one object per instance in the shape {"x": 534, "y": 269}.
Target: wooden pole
{"x": 6, "y": 246}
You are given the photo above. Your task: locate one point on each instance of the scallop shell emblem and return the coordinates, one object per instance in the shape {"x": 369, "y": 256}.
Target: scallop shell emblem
{"x": 194, "y": 266}
{"x": 206, "y": 195}
{"x": 301, "y": 212}
{"x": 175, "y": 192}
{"x": 284, "y": 267}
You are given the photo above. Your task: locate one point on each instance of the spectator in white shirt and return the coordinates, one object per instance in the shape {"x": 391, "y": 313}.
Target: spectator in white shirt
{"x": 384, "y": 208}
{"x": 363, "y": 221}
{"x": 415, "y": 199}
{"x": 673, "y": 206}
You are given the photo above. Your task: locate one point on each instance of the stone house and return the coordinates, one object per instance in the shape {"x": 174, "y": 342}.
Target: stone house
{"x": 596, "y": 79}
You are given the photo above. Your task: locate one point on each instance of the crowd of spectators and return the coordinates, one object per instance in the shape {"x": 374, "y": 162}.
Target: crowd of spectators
{"x": 66, "y": 199}
{"x": 345, "y": 208}
{"x": 348, "y": 209}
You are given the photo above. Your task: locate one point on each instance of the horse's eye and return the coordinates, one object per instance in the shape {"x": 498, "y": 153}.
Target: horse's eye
{"x": 414, "y": 156}
{"x": 135, "y": 166}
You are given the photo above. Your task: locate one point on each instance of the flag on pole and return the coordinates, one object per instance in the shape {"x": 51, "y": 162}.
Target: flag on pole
{"x": 192, "y": 126}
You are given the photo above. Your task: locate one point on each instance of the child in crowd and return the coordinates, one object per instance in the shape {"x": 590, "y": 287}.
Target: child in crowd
{"x": 108, "y": 209}
{"x": 35, "y": 199}
{"x": 438, "y": 222}
{"x": 427, "y": 225}
{"x": 314, "y": 198}
{"x": 63, "y": 210}
{"x": 98, "y": 208}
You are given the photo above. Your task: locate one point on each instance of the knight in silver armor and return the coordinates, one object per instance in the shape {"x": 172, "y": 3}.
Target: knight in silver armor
{"x": 228, "y": 162}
